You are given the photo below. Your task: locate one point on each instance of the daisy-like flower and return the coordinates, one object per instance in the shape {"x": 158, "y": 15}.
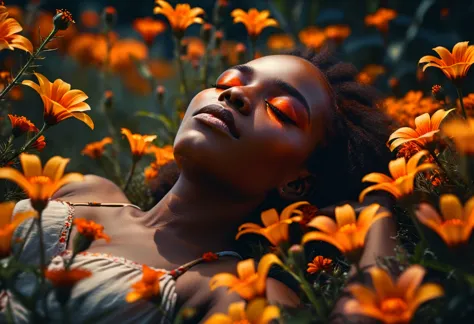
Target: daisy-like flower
{"x": 8, "y": 224}
{"x": 95, "y": 149}
{"x": 312, "y": 37}
{"x": 275, "y": 228}
{"x": 346, "y": 233}
{"x": 257, "y": 312}
{"x": 37, "y": 182}
{"x": 381, "y": 18}
{"x": 60, "y": 102}
{"x": 248, "y": 283}
{"x": 403, "y": 174}
{"x": 90, "y": 229}
{"x": 462, "y": 133}
{"x": 163, "y": 155}
{"x": 392, "y": 302}
{"x": 148, "y": 287}
{"x": 455, "y": 223}
{"x": 138, "y": 143}
{"x": 255, "y": 21}
{"x": 454, "y": 65}
{"x": 9, "y": 38}
{"x": 425, "y": 128}
{"x": 181, "y": 17}
{"x": 21, "y": 125}
{"x": 318, "y": 264}
{"x": 148, "y": 28}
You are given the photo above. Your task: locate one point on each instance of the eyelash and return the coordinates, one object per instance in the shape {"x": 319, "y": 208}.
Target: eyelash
{"x": 284, "y": 118}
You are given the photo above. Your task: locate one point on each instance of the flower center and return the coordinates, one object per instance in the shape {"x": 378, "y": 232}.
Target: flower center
{"x": 40, "y": 180}
{"x": 393, "y": 306}
{"x": 348, "y": 228}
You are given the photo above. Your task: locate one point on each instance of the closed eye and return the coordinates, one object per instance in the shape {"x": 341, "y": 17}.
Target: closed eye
{"x": 220, "y": 86}
{"x": 279, "y": 114}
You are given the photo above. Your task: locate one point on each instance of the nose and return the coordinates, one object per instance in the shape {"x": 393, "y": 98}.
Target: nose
{"x": 235, "y": 98}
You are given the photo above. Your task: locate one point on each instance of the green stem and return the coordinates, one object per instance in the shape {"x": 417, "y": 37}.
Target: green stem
{"x": 31, "y": 141}
{"x": 32, "y": 58}
{"x": 182, "y": 76}
{"x": 117, "y": 172}
{"x": 130, "y": 175}
{"x": 459, "y": 90}
{"x": 41, "y": 247}
{"x": 205, "y": 68}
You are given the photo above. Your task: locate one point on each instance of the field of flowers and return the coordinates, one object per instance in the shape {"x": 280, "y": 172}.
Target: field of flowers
{"x": 84, "y": 91}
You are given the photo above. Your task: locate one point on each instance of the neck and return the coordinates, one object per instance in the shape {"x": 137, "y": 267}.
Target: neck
{"x": 202, "y": 214}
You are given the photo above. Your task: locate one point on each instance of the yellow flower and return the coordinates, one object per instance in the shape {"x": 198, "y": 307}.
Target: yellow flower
{"x": 37, "y": 182}
{"x": 462, "y": 133}
{"x": 9, "y": 38}
{"x": 181, "y": 17}
{"x": 248, "y": 283}
{"x": 148, "y": 28}
{"x": 403, "y": 174}
{"x": 454, "y": 65}
{"x": 346, "y": 233}
{"x": 456, "y": 223}
{"x": 148, "y": 287}
{"x": 138, "y": 143}
{"x": 8, "y": 224}
{"x": 276, "y": 227}
{"x": 426, "y": 128}
{"x": 257, "y": 312}
{"x": 95, "y": 149}
{"x": 60, "y": 102}
{"x": 255, "y": 21}
{"x": 392, "y": 302}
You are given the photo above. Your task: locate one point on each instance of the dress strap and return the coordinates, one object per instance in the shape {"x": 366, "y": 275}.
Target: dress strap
{"x": 98, "y": 204}
{"x": 207, "y": 257}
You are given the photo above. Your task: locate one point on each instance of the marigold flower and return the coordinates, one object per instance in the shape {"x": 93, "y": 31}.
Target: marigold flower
{"x": 280, "y": 42}
{"x": 426, "y": 128}
{"x": 62, "y": 19}
{"x": 312, "y": 37}
{"x": 257, "y": 312}
{"x": 163, "y": 155}
{"x": 381, "y": 18}
{"x": 138, "y": 143}
{"x": 181, "y": 17}
{"x": 37, "y": 182}
{"x": 21, "y": 125}
{"x": 455, "y": 224}
{"x": 403, "y": 175}
{"x": 318, "y": 264}
{"x": 209, "y": 256}
{"x": 88, "y": 49}
{"x": 39, "y": 144}
{"x": 248, "y": 283}
{"x": 370, "y": 73}
{"x": 95, "y": 149}
{"x": 8, "y": 224}
{"x": 454, "y": 65}
{"x": 275, "y": 228}
{"x": 462, "y": 133}
{"x": 195, "y": 50}
{"x": 66, "y": 278}
{"x": 346, "y": 233}
{"x": 151, "y": 172}
{"x": 408, "y": 149}
{"x": 90, "y": 229}
{"x": 9, "y": 29}
{"x": 392, "y": 302}
{"x": 148, "y": 28}
{"x": 148, "y": 287}
{"x": 255, "y": 21}
{"x": 124, "y": 52}
{"x": 60, "y": 102}
{"x": 338, "y": 33}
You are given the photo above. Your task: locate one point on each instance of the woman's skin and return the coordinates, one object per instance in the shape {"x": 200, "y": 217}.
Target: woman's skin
{"x": 223, "y": 179}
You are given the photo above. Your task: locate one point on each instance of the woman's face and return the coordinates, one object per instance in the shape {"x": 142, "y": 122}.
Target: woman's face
{"x": 255, "y": 129}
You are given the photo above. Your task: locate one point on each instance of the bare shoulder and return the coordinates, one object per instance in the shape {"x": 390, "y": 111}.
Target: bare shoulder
{"x": 93, "y": 188}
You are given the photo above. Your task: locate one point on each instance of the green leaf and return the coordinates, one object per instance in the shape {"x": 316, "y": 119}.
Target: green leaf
{"x": 160, "y": 117}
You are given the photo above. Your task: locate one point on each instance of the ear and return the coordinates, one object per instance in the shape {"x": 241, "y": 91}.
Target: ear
{"x": 299, "y": 187}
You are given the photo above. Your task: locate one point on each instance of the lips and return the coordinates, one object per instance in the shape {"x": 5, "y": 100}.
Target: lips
{"x": 222, "y": 114}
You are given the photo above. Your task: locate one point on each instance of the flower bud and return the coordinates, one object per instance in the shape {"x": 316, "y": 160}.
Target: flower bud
{"x": 62, "y": 19}
{"x": 206, "y": 31}
{"x": 109, "y": 16}
{"x": 108, "y": 99}
{"x": 219, "y": 36}
{"x": 438, "y": 93}
{"x": 160, "y": 93}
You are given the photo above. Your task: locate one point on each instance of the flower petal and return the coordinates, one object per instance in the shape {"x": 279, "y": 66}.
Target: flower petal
{"x": 363, "y": 294}
{"x": 237, "y": 311}
{"x": 255, "y": 309}
{"x": 17, "y": 177}
{"x": 425, "y": 293}
{"x": 345, "y": 215}
{"x": 323, "y": 223}
{"x": 382, "y": 282}
{"x": 377, "y": 178}
{"x": 54, "y": 168}
{"x": 263, "y": 267}
{"x": 289, "y": 210}
{"x": 223, "y": 279}
{"x": 83, "y": 118}
{"x": 246, "y": 268}
{"x": 409, "y": 281}
{"x": 31, "y": 165}
{"x": 219, "y": 318}
{"x": 451, "y": 207}
{"x": 269, "y": 217}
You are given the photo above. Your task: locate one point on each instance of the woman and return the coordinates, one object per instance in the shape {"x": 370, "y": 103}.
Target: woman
{"x": 277, "y": 129}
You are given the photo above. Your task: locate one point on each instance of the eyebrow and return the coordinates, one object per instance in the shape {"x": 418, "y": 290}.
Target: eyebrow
{"x": 284, "y": 86}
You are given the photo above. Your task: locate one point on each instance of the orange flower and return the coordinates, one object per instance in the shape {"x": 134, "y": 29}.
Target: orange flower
{"x": 426, "y": 128}
{"x": 209, "y": 256}
{"x": 39, "y": 144}
{"x": 347, "y": 234}
{"x": 392, "y": 302}
{"x": 338, "y": 33}
{"x": 21, "y": 125}
{"x": 462, "y": 133}
{"x": 181, "y": 17}
{"x": 138, "y": 143}
{"x": 319, "y": 263}
{"x": 148, "y": 28}
{"x": 280, "y": 42}
{"x": 151, "y": 172}
{"x": 148, "y": 287}
{"x": 37, "y": 182}
{"x": 403, "y": 175}
{"x": 125, "y": 52}
{"x": 90, "y": 229}
{"x": 43, "y": 26}
{"x": 370, "y": 73}
{"x": 8, "y": 224}
{"x": 276, "y": 227}
{"x": 16, "y": 12}
{"x": 88, "y": 49}
{"x": 248, "y": 283}
{"x": 312, "y": 37}
{"x": 195, "y": 49}
{"x": 9, "y": 29}
{"x": 257, "y": 312}
{"x": 90, "y": 18}
{"x": 63, "y": 278}
{"x": 62, "y": 19}
{"x": 95, "y": 149}
{"x": 60, "y": 102}
{"x": 380, "y": 19}
{"x": 454, "y": 65}
{"x": 255, "y": 21}
{"x": 163, "y": 155}
{"x": 455, "y": 223}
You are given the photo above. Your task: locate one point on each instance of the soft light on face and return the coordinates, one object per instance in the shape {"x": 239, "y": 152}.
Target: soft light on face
{"x": 280, "y": 104}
